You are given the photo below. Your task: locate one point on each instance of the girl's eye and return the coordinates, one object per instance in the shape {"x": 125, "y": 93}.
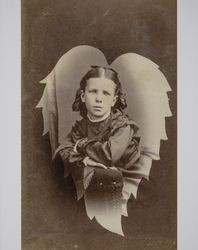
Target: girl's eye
{"x": 92, "y": 91}
{"x": 106, "y": 93}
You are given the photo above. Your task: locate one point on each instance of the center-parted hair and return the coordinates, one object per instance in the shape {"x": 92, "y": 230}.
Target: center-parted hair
{"x": 99, "y": 72}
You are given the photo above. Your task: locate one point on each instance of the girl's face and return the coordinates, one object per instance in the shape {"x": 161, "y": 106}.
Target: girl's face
{"x": 99, "y": 96}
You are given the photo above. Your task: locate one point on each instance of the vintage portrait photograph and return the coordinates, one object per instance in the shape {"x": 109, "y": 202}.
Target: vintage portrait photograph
{"x": 99, "y": 124}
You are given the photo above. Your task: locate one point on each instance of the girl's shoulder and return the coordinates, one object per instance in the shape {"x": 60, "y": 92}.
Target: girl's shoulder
{"x": 120, "y": 119}
{"x": 80, "y": 126}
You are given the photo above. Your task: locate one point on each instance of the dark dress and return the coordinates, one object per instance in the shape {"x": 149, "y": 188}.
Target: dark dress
{"x": 113, "y": 142}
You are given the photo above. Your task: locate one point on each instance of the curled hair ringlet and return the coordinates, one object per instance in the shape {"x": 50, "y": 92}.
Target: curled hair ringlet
{"x": 75, "y": 106}
{"x": 98, "y": 72}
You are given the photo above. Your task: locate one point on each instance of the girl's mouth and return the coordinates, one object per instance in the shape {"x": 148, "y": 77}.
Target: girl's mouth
{"x": 97, "y": 107}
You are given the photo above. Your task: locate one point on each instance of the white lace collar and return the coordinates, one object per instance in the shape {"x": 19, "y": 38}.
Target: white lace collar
{"x": 100, "y": 119}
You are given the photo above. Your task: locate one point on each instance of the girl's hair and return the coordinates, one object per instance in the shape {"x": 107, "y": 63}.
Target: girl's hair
{"x": 98, "y": 72}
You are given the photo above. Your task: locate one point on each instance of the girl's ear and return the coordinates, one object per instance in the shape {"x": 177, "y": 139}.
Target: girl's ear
{"x": 114, "y": 100}
{"x": 82, "y": 96}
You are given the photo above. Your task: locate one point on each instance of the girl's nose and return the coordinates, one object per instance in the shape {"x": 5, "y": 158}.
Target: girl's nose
{"x": 98, "y": 97}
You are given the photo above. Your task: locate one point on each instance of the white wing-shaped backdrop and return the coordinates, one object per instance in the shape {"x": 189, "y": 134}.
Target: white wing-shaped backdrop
{"x": 146, "y": 93}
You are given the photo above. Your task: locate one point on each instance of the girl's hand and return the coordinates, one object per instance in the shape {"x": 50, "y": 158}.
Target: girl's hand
{"x": 91, "y": 163}
{"x": 113, "y": 168}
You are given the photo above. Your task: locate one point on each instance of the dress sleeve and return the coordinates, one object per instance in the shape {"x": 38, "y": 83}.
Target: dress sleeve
{"x": 66, "y": 149}
{"x": 109, "y": 152}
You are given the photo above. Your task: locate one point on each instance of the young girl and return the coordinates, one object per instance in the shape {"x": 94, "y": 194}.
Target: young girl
{"x": 106, "y": 139}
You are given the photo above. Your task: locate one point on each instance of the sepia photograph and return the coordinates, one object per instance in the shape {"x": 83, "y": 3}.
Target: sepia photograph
{"x": 99, "y": 124}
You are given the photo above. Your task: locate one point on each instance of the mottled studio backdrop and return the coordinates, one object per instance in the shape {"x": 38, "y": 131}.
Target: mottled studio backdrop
{"x": 52, "y": 219}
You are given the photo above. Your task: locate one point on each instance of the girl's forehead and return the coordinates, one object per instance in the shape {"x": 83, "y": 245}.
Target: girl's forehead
{"x": 101, "y": 82}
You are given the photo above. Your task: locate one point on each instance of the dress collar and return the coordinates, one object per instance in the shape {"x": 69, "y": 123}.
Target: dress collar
{"x": 100, "y": 119}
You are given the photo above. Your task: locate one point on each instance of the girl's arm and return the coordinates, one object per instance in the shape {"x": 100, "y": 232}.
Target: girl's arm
{"x": 109, "y": 152}
{"x": 67, "y": 149}
{"x": 68, "y": 154}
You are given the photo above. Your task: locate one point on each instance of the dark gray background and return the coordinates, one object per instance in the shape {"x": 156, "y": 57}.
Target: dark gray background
{"x": 51, "y": 217}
